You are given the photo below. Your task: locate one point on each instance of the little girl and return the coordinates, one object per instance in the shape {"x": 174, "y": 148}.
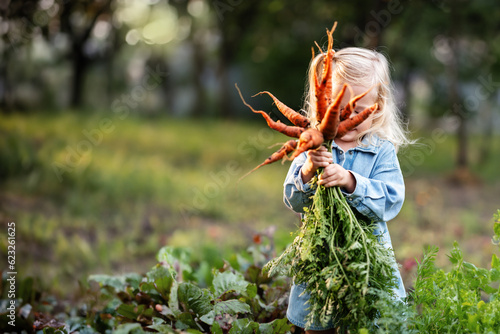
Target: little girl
{"x": 363, "y": 163}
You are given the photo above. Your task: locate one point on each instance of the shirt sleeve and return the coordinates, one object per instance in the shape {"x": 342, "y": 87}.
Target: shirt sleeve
{"x": 297, "y": 194}
{"x": 380, "y": 196}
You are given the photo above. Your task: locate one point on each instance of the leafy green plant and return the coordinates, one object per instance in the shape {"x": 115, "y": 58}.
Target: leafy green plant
{"x": 167, "y": 300}
{"x": 464, "y": 300}
{"x": 181, "y": 296}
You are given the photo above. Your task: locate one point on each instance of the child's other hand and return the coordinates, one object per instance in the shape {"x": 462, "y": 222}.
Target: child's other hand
{"x": 315, "y": 159}
{"x": 336, "y": 175}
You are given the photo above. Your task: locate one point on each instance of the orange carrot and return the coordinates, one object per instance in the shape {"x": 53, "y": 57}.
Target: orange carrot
{"x": 350, "y": 123}
{"x": 330, "y": 122}
{"x": 290, "y": 131}
{"x": 349, "y": 108}
{"x": 323, "y": 89}
{"x": 308, "y": 140}
{"x": 321, "y": 102}
{"x": 288, "y": 147}
{"x": 330, "y": 52}
{"x": 293, "y": 116}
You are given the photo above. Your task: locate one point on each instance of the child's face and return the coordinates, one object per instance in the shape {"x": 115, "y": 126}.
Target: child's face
{"x": 366, "y": 101}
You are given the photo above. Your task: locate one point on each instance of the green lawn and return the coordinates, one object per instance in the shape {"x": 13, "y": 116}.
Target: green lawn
{"x": 93, "y": 193}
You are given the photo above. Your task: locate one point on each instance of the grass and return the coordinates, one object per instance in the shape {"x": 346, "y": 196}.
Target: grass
{"x": 94, "y": 193}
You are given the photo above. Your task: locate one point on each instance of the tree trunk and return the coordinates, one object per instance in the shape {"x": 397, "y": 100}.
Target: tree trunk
{"x": 487, "y": 137}
{"x": 224, "y": 98}
{"x": 79, "y": 64}
{"x": 404, "y": 107}
{"x": 200, "y": 106}
{"x": 454, "y": 94}
{"x": 6, "y": 101}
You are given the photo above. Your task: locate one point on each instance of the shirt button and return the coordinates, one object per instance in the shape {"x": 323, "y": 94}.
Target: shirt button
{"x": 341, "y": 152}
{"x": 350, "y": 152}
{"x": 349, "y": 198}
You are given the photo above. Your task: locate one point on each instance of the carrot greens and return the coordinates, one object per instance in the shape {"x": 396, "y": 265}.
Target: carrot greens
{"x": 344, "y": 266}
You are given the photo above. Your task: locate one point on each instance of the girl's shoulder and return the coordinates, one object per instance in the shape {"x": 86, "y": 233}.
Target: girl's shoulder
{"x": 375, "y": 144}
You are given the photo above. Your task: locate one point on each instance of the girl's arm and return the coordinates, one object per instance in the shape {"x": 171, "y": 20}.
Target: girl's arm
{"x": 297, "y": 194}
{"x": 381, "y": 195}
{"x": 297, "y": 187}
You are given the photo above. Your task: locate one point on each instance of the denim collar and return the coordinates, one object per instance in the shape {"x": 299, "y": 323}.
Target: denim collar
{"x": 365, "y": 146}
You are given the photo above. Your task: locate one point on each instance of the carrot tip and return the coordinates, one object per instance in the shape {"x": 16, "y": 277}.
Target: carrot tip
{"x": 319, "y": 48}
{"x": 260, "y": 93}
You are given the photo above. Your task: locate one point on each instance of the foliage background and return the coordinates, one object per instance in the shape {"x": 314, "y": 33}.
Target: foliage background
{"x": 121, "y": 130}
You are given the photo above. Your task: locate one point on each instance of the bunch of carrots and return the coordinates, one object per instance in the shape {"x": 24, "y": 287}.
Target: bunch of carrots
{"x": 335, "y": 252}
{"x": 333, "y": 123}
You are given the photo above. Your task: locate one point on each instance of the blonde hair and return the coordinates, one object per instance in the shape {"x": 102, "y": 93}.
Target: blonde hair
{"x": 366, "y": 68}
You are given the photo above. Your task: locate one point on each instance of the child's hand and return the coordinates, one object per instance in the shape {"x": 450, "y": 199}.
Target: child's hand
{"x": 336, "y": 175}
{"x": 315, "y": 159}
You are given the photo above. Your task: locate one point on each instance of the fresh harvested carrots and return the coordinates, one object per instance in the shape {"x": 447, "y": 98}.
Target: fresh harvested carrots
{"x": 330, "y": 122}
{"x": 294, "y": 117}
{"x": 333, "y": 121}
{"x": 353, "y": 122}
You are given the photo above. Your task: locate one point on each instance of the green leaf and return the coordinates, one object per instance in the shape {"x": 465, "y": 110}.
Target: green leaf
{"x": 216, "y": 329}
{"x": 208, "y": 318}
{"x": 495, "y": 274}
{"x": 253, "y": 273}
{"x": 495, "y": 262}
{"x": 130, "y": 311}
{"x": 128, "y": 328}
{"x": 244, "y": 326}
{"x": 194, "y": 298}
{"x": 232, "y": 306}
{"x": 203, "y": 274}
{"x": 185, "y": 321}
{"x": 52, "y": 330}
{"x": 158, "y": 272}
{"x": 173, "y": 300}
{"x": 176, "y": 258}
{"x": 496, "y": 225}
{"x": 469, "y": 266}
{"x": 227, "y": 282}
{"x": 278, "y": 326}
{"x": 160, "y": 326}
{"x": 119, "y": 283}
{"x": 161, "y": 279}
{"x": 147, "y": 287}
{"x": 456, "y": 254}
{"x": 251, "y": 290}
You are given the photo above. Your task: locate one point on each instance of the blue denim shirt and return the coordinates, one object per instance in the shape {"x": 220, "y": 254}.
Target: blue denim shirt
{"x": 380, "y": 189}
{"x": 379, "y": 192}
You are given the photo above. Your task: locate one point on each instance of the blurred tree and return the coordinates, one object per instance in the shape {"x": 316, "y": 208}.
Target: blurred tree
{"x": 196, "y": 12}
{"x": 272, "y": 40}
{"x": 78, "y": 20}
{"x": 455, "y": 54}
{"x": 18, "y": 29}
